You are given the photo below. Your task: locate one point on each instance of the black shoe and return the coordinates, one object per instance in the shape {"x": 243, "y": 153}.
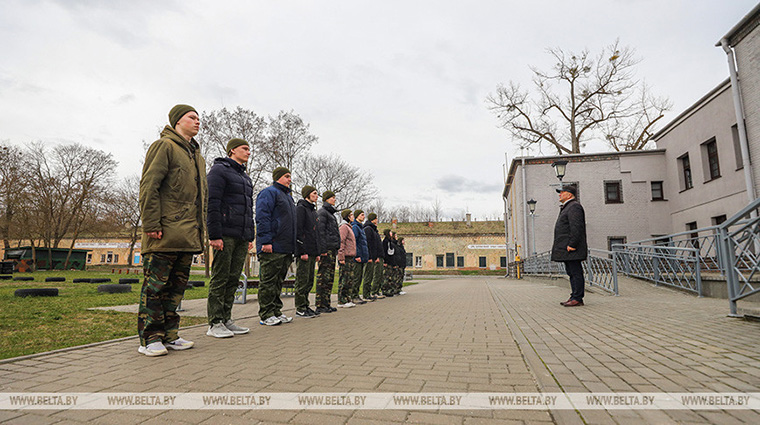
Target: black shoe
{"x": 313, "y": 313}
{"x": 323, "y": 310}
{"x": 332, "y": 309}
{"x": 304, "y": 313}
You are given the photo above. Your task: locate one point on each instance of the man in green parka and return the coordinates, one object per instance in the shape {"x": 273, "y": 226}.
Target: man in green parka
{"x": 173, "y": 195}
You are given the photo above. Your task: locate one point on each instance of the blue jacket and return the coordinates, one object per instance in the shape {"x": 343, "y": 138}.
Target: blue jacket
{"x": 361, "y": 242}
{"x": 276, "y": 219}
{"x": 230, "y": 201}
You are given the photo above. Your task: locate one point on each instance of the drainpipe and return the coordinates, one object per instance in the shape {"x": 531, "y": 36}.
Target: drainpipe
{"x": 525, "y": 212}
{"x": 739, "y": 108}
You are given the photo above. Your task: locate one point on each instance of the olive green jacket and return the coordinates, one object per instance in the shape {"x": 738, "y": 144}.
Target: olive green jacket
{"x": 173, "y": 195}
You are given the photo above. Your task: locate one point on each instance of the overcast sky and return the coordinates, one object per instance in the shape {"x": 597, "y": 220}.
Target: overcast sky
{"x": 394, "y": 87}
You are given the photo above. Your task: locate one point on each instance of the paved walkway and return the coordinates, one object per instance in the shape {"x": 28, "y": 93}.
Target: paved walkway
{"x": 452, "y": 335}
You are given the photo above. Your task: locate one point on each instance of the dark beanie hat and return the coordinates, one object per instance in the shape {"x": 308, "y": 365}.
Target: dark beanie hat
{"x": 233, "y": 143}
{"x": 357, "y": 213}
{"x": 401, "y": 239}
{"x": 279, "y": 172}
{"x": 387, "y": 233}
{"x": 371, "y": 216}
{"x": 345, "y": 213}
{"x": 177, "y": 112}
{"x": 307, "y": 190}
{"x": 327, "y": 195}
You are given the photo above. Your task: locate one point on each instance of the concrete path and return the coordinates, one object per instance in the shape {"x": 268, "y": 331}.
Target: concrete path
{"x": 451, "y": 335}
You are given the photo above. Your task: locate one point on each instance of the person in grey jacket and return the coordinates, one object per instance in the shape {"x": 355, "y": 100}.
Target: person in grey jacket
{"x": 570, "y": 246}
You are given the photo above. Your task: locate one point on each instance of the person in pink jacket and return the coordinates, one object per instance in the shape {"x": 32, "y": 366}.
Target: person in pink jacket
{"x": 347, "y": 260}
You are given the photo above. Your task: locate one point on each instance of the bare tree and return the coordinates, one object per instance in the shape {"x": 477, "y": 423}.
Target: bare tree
{"x": 352, "y": 186}
{"x": 437, "y": 209}
{"x": 125, "y": 209}
{"x": 581, "y": 98}
{"x": 288, "y": 139}
{"x": 12, "y": 194}
{"x": 377, "y": 206}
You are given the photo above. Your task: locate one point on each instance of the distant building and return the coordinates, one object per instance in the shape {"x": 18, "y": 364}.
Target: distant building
{"x": 45, "y": 258}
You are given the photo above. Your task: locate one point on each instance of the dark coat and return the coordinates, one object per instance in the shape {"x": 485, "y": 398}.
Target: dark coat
{"x": 230, "y": 201}
{"x": 400, "y": 255}
{"x": 389, "y": 251}
{"x": 307, "y": 241}
{"x": 327, "y": 228}
{"x": 374, "y": 243}
{"x": 361, "y": 241}
{"x": 276, "y": 219}
{"x": 570, "y": 230}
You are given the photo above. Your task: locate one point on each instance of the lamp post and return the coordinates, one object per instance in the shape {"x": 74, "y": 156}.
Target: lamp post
{"x": 560, "y": 166}
{"x": 532, "y": 208}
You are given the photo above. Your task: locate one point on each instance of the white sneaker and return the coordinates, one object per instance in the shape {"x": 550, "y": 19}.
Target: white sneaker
{"x": 272, "y": 321}
{"x": 347, "y": 305}
{"x": 235, "y": 329}
{"x": 153, "y": 349}
{"x": 285, "y": 319}
{"x": 219, "y": 330}
{"x": 180, "y": 344}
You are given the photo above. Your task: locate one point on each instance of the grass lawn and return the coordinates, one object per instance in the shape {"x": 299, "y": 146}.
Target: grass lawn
{"x": 38, "y": 324}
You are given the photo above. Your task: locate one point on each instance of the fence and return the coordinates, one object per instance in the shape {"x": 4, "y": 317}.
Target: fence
{"x": 599, "y": 269}
{"x": 740, "y": 243}
{"x": 705, "y": 241}
{"x": 668, "y": 265}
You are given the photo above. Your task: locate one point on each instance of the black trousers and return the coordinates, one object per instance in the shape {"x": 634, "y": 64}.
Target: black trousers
{"x": 574, "y": 269}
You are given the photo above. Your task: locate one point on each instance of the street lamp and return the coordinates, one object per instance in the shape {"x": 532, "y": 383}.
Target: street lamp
{"x": 560, "y": 166}
{"x": 532, "y": 208}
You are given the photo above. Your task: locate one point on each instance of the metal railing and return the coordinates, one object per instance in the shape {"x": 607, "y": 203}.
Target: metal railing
{"x": 667, "y": 265}
{"x": 704, "y": 240}
{"x": 599, "y": 269}
{"x": 740, "y": 241}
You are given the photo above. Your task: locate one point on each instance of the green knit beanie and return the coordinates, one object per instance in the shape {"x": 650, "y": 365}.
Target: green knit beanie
{"x": 179, "y": 111}
{"x": 371, "y": 216}
{"x": 400, "y": 240}
{"x": 233, "y": 143}
{"x": 387, "y": 233}
{"x": 279, "y": 172}
{"x": 345, "y": 213}
{"x": 357, "y": 213}
{"x": 327, "y": 195}
{"x": 306, "y": 191}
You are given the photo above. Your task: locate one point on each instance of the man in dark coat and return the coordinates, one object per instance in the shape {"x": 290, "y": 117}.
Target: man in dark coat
{"x": 389, "y": 261}
{"x": 329, "y": 243}
{"x": 307, "y": 250}
{"x": 275, "y": 244}
{"x": 230, "y": 232}
{"x": 362, "y": 256}
{"x": 570, "y": 242}
{"x": 373, "y": 271}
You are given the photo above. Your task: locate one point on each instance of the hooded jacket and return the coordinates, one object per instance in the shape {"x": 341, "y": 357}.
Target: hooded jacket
{"x": 276, "y": 219}
{"x": 361, "y": 241}
{"x": 230, "y": 201}
{"x": 570, "y": 230}
{"x": 374, "y": 243}
{"x": 389, "y": 251}
{"x": 307, "y": 240}
{"x": 327, "y": 228}
{"x": 400, "y": 255}
{"x": 173, "y": 195}
{"x": 347, "y": 242}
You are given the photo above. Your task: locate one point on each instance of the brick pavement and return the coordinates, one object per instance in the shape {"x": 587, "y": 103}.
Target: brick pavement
{"x": 452, "y": 335}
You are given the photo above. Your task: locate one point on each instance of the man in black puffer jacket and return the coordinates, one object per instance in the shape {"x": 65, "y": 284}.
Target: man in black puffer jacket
{"x": 307, "y": 249}
{"x": 230, "y": 230}
{"x": 329, "y": 243}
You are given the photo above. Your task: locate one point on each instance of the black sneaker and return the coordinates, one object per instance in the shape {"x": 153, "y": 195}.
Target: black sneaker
{"x": 306, "y": 314}
{"x": 323, "y": 310}
{"x": 332, "y": 309}
{"x": 313, "y": 313}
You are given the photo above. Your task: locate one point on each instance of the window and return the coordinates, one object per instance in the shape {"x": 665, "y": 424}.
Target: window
{"x": 718, "y": 219}
{"x": 102, "y": 258}
{"x": 503, "y": 262}
{"x": 89, "y": 258}
{"x": 710, "y": 154}
{"x": 615, "y": 240}
{"x": 694, "y": 235}
{"x": 737, "y": 147}
{"x": 418, "y": 261}
{"x": 409, "y": 259}
{"x": 109, "y": 257}
{"x": 137, "y": 258}
{"x": 685, "y": 166}
{"x": 439, "y": 260}
{"x": 449, "y": 259}
{"x": 613, "y": 192}
{"x": 657, "y": 192}
{"x": 116, "y": 258}
{"x": 482, "y": 262}
{"x": 460, "y": 261}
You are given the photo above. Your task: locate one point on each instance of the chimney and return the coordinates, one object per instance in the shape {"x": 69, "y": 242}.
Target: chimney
{"x": 468, "y": 219}
{"x": 394, "y": 223}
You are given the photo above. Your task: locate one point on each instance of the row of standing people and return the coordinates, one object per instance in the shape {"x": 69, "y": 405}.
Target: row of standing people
{"x": 180, "y": 204}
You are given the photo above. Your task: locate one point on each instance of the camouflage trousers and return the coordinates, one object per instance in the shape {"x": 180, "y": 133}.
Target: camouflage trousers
{"x": 225, "y": 275}
{"x": 346, "y": 280}
{"x": 164, "y": 283}
{"x": 304, "y": 281}
{"x": 387, "y": 279}
{"x": 358, "y": 277}
{"x": 273, "y": 268}
{"x": 325, "y": 279}
{"x": 369, "y": 277}
{"x": 377, "y": 278}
